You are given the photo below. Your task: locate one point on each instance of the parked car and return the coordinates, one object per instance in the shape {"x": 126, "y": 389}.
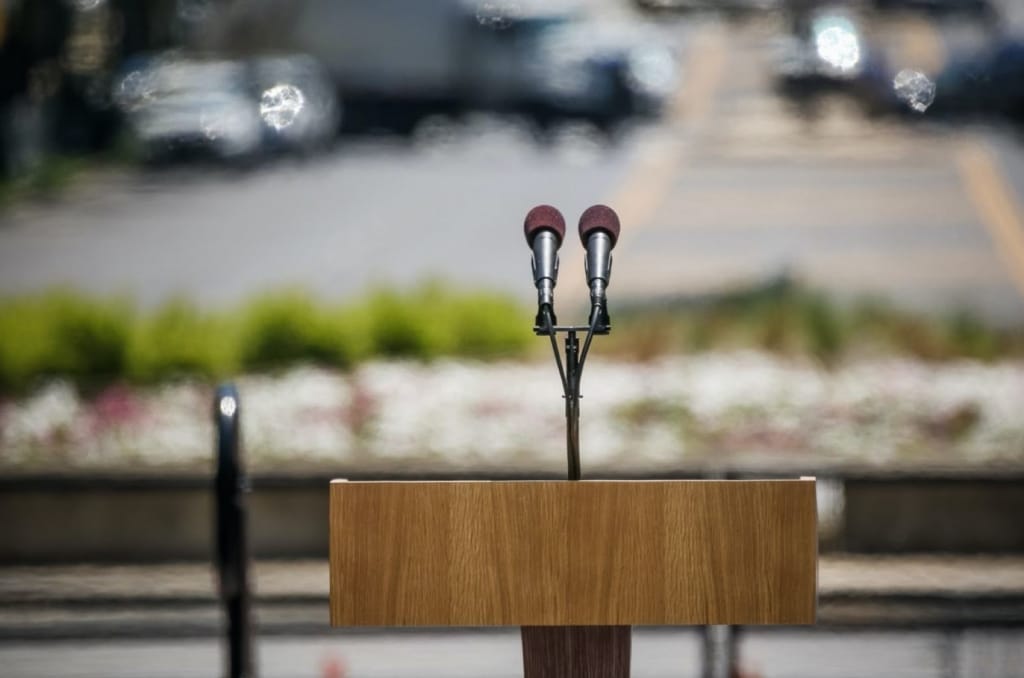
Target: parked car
{"x": 177, "y": 106}
{"x": 557, "y": 65}
{"x": 605, "y": 71}
{"x": 227, "y": 109}
{"x": 988, "y": 83}
{"x": 727, "y": 6}
{"x": 977, "y": 7}
{"x": 396, "y": 62}
{"x": 827, "y": 51}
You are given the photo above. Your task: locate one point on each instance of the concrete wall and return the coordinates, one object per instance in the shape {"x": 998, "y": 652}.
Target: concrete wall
{"x": 148, "y": 524}
{"x": 896, "y": 516}
{"x": 119, "y": 520}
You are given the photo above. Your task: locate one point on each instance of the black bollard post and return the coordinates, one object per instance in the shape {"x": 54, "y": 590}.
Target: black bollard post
{"x": 232, "y": 550}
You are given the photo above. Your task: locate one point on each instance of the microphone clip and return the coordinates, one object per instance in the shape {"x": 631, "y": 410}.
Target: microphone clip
{"x": 600, "y": 320}
{"x": 541, "y": 325}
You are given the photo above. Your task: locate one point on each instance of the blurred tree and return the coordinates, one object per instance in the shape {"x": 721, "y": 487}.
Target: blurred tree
{"x": 146, "y": 26}
{"x": 58, "y": 59}
{"x": 85, "y": 120}
{"x": 33, "y": 37}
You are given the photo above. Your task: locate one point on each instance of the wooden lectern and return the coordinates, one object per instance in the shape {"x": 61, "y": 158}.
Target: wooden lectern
{"x": 573, "y": 563}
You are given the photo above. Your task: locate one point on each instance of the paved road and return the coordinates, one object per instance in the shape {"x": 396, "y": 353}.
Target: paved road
{"x": 731, "y": 188}
{"x": 656, "y": 653}
{"x": 364, "y": 214}
{"x": 64, "y": 602}
{"x": 921, "y": 215}
{"x": 90, "y": 621}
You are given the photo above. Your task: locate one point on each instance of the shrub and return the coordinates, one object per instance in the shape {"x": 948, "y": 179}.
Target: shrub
{"x": 488, "y": 326}
{"x": 784, "y": 318}
{"x": 969, "y": 337}
{"x": 282, "y": 328}
{"x": 412, "y": 326}
{"x": 179, "y": 340}
{"x": 350, "y": 333}
{"x": 62, "y": 333}
{"x": 90, "y": 339}
{"x": 823, "y": 328}
{"x": 67, "y": 334}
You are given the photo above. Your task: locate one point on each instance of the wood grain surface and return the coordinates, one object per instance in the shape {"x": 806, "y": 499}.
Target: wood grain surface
{"x": 552, "y": 553}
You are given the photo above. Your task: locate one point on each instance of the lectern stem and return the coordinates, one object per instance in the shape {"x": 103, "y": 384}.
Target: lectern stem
{"x": 576, "y": 651}
{"x": 572, "y": 404}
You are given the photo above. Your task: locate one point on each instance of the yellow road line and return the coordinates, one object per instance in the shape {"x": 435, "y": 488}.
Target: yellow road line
{"x": 650, "y": 178}
{"x": 994, "y": 200}
{"x": 702, "y": 75}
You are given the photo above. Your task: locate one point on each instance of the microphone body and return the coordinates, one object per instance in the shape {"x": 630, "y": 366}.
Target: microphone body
{"x": 545, "y": 267}
{"x": 544, "y": 228}
{"x": 599, "y": 265}
{"x": 599, "y": 231}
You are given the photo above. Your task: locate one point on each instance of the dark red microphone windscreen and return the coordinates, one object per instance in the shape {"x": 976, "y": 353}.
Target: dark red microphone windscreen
{"x": 543, "y": 217}
{"x": 599, "y": 218}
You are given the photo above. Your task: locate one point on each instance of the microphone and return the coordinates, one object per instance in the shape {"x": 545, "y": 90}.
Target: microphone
{"x": 544, "y": 228}
{"x": 599, "y": 231}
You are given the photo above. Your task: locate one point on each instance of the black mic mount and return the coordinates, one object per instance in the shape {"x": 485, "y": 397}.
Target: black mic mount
{"x": 599, "y": 229}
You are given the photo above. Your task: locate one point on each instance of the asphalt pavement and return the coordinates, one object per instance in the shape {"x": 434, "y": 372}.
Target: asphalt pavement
{"x": 656, "y": 653}
{"x": 372, "y": 211}
{"x": 927, "y": 616}
{"x": 69, "y": 602}
{"x": 919, "y": 214}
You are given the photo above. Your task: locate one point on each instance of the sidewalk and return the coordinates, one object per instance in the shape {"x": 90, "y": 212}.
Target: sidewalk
{"x": 179, "y": 599}
{"x": 307, "y": 580}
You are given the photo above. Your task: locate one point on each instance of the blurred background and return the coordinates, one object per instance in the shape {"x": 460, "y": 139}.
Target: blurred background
{"x": 821, "y": 272}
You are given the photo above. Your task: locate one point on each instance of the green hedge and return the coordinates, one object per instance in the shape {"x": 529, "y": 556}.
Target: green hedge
{"x": 180, "y": 340}
{"x": 784, "y": 318}
{"x": 63, "y": 333}
{"x": 96, "y": 341}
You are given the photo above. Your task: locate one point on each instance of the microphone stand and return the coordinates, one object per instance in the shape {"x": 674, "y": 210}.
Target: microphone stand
{"x": 572, "y": 372}
{"x": 574, "y": 650}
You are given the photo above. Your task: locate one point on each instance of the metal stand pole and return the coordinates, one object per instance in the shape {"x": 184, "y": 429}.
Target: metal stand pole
{"x": 574, "y": 651}
{"x": 232, "y": 542}
{"x": 572, "y": 404}
{"x": 719, "y": 651}
{"x": 570, "y": 374}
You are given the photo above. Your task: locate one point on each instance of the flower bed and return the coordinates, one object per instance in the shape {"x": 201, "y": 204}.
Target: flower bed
{"x": 449, "y": 414}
